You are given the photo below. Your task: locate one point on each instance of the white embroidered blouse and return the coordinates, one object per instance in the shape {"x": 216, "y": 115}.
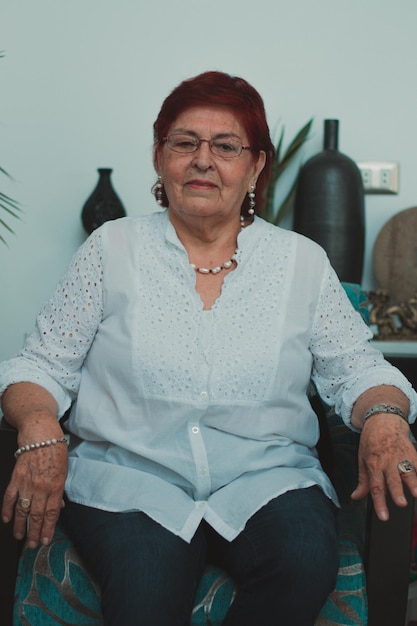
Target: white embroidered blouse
{"x": 187, "y": 413}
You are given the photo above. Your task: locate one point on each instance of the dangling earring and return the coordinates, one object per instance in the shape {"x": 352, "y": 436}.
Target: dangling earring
{"x": 252, "y": 202}
{"x": 157, "y": 190}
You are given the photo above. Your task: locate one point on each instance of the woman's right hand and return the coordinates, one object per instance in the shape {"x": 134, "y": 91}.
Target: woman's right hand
{"x": 38, "y": 479}
{"x": 34, "y": 496}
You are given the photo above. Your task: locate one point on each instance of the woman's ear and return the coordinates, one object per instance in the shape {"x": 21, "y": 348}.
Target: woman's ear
{"x": 260, "y": 163}
{"x": 156, "y": 157}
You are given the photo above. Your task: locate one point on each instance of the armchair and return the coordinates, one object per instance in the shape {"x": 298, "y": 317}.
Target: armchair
{"x": 51, "y": 586}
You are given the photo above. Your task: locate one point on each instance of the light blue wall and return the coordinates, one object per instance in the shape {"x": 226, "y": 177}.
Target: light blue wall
{"x": 83, "y": 80}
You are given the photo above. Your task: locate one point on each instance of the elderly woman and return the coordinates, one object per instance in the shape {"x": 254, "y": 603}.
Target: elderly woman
{"x": 184, "y": 342}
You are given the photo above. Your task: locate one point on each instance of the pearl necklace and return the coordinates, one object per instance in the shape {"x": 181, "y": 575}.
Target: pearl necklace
{"x": 227, "y": 264}
{"x": 215, "y": 270}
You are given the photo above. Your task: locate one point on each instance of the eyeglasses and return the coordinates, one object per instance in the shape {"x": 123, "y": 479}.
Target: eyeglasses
{"x": 225, "y": 147}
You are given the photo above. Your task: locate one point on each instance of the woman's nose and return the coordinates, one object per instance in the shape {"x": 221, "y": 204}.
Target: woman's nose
{"x": 203, "y": 157}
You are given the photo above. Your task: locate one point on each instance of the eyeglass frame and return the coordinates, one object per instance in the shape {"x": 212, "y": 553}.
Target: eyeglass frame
{"x": 210, "y": 143}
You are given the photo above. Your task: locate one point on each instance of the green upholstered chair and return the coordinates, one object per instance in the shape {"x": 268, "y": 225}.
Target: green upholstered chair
{"x": 50, "y": 586}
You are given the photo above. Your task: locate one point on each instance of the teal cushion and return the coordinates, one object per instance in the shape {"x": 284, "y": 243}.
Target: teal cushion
{"x": 215, "y": 594}
{"x": 347, "y": 605}
{"x": 53, "y": 588}
{"x": 358, "y": 298}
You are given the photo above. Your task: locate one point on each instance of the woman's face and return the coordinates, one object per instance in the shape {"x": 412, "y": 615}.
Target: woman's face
{"x": 201, "y": 184}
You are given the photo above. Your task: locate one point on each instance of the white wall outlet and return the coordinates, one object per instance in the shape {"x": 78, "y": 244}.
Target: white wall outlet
{"x": 379, "y": 176}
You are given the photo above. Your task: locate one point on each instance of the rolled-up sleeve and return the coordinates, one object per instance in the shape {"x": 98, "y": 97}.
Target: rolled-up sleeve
{"x": 345, "y": 364}
{"x": 54, "y": 353}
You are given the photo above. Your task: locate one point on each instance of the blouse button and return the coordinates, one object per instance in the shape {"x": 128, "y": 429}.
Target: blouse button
{"x": 195, "y": 430}
{"x": 204, "y": 395}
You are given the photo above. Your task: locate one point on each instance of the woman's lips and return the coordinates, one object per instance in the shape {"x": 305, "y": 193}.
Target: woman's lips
{"x": 201, "y": 184}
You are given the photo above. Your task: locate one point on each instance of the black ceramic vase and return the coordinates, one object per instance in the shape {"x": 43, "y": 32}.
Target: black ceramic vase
{"x": 104, "y": 204}
{"x": 329, "y": 206}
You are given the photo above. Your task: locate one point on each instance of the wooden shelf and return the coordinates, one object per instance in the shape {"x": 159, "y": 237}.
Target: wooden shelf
{"x": 396, "y": 348}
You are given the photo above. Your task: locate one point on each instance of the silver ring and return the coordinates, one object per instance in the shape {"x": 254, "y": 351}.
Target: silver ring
{"x": 405, "y": 467}
{"x": 24, "y": 503}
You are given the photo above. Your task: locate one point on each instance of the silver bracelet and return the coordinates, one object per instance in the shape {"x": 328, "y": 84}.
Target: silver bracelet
{"x": 40, "y": 444}
{"x": 384, "y": 408}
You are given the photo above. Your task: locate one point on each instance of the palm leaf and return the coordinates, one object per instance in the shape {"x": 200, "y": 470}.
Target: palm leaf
{"x": 269, "y": 212}
{"x": 3, "y": 223}
{"x": 12, "y": 207}
{"x": 285, "y": 205}
{"x": 7, "y": 204}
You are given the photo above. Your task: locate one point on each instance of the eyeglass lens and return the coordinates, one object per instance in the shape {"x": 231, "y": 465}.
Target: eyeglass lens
{"x": 226, "y": 147}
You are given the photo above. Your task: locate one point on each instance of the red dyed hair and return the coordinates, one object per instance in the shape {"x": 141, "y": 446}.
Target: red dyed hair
{"x": 220, "y": 89}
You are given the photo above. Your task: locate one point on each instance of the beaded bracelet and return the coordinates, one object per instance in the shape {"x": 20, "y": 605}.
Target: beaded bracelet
{"x": 384, "y": 408}
{"x": 40, "y": 444}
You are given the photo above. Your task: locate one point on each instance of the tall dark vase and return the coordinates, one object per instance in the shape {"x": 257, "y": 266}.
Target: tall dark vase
{"x": 104, "y": 204}
{"x": 329, "y": 206}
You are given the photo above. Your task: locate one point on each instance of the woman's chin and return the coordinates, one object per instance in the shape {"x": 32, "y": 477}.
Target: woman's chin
{"x": 198, "y": 210}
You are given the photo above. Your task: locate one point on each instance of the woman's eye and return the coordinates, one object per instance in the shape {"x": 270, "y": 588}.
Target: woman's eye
{"x": 225, "y": 147}
{"x": 184, "y": 143}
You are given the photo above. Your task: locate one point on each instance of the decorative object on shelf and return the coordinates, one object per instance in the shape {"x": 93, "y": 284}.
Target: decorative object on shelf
{"x": 269, "y": 212}
{"x": 104, "y": 204}
{"x": 329, "y": 206}
{"x": 394, "y": 256}
{"x": 394, "y": 321}
{"x": 394, "y": 302}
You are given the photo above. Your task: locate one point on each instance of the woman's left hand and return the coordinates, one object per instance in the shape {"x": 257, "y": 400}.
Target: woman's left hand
{"x": 385, "y": 442}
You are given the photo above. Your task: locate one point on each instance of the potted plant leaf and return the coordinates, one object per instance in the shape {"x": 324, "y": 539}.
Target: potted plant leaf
{"x": 269, "y": 212}
{"x": 10, "y": 206}
{"x": 7, "y": 204}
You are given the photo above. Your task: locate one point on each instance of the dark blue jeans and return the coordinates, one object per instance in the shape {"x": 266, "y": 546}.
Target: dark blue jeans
{"x": 284, "y": 562}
